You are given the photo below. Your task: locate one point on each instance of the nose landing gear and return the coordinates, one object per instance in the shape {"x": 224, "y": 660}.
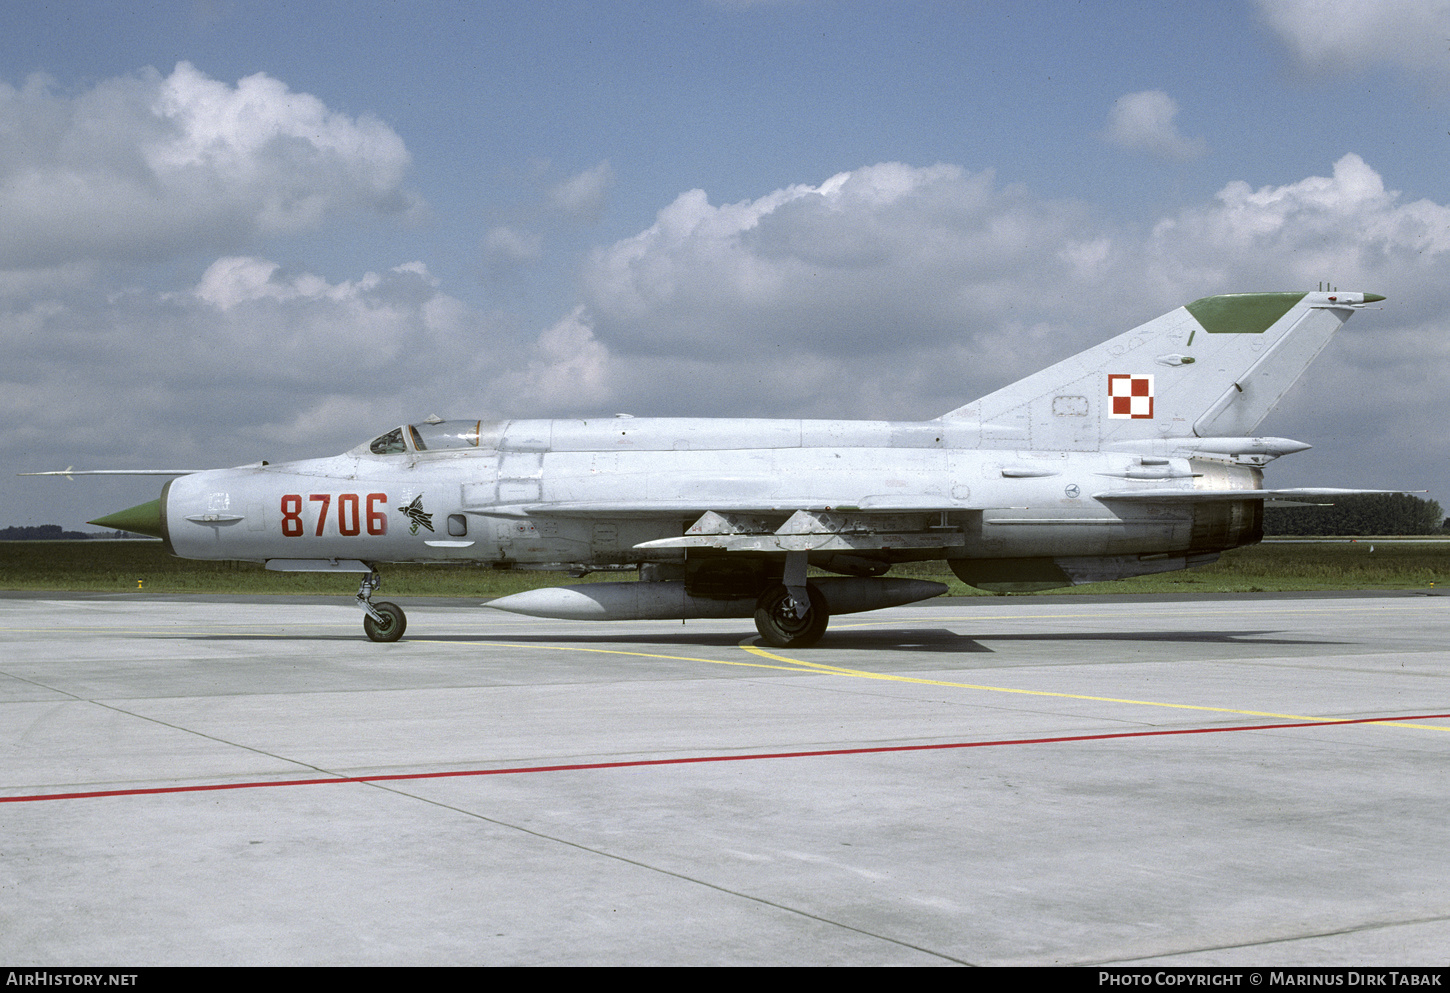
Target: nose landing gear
{"x": 384, "y": 621}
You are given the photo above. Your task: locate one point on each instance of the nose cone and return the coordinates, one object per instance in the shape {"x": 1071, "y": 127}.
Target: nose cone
{"x": 144, "y": 518}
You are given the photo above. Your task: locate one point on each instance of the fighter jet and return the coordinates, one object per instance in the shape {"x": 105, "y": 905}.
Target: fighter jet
{"x": 1136, "y": 456}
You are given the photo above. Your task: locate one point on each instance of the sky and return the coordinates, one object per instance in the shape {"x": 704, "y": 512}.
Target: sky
{"x": 233, "y": 231}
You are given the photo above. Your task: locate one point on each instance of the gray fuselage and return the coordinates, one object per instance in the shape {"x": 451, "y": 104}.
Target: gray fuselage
{"x": 587, "y": 493}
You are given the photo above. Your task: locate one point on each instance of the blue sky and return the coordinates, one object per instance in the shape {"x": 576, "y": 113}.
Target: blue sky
{"x": 232, "y": 231}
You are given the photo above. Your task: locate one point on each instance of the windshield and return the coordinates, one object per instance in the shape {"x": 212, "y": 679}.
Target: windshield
{"x": 439, "y": 436}
{"x": 445, "y": 435}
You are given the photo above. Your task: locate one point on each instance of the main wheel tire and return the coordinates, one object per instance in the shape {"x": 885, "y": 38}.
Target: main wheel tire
{"x": 782, "y": 630}
{"x": 394, "y": 622}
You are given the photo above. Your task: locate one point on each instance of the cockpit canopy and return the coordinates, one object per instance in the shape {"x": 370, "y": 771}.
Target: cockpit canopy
{"x": 437, "y": 436}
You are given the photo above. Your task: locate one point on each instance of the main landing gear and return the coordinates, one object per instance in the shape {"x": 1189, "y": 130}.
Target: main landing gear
{"x": 793, "y": 614}
{"x": 785, "y": 622}
{"x": 384, "y": 621}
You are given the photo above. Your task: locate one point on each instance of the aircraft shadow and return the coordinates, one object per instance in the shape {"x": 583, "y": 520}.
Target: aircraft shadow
{"x": 896, "y": 640}
{"x": 941, "y": 640}
{"x": 905, "y": 640}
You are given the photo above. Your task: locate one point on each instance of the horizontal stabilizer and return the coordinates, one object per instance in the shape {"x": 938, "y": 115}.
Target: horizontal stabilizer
{"x": 1251, "y": 451}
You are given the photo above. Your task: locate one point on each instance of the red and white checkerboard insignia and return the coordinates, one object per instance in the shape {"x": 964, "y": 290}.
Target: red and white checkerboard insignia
{"x": 1130, "y": 396}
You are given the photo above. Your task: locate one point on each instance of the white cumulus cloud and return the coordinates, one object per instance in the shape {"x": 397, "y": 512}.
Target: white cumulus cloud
{"x": 871, "y": 260}
{"x": 1409, "y": 35}
{"x": 568, "y": 372}
{"x": 250, "y": 356}
{"x": 1346, "y": 227}
{"x": 1144, "y": 122}
{"x": 147, "y": 167}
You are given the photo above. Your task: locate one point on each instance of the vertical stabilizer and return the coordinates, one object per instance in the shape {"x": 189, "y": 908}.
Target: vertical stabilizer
{"x": 1215, "y": 367}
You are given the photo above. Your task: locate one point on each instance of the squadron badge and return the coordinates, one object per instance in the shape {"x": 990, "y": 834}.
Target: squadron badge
{"x": 414, "y": 513}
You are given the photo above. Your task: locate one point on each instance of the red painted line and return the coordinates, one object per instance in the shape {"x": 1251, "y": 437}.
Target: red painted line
{"x": 639, "y": 763}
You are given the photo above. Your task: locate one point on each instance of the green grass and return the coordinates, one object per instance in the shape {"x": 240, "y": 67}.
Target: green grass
{"x": 1337, "y": 564}
{"x": 117, "y": 566}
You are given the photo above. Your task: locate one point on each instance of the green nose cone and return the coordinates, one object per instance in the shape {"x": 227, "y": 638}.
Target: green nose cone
{"x": 144, "y": 518}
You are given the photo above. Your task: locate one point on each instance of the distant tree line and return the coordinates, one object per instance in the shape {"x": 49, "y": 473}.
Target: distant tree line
{"x": 41, "y": 532}
{"x": 1393, "y": 513}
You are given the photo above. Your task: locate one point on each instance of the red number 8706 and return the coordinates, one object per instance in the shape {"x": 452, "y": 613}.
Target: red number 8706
{"x": 348, "y": 523}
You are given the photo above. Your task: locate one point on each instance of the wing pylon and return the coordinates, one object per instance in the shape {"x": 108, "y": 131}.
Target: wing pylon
{"x": 811, "y": 531}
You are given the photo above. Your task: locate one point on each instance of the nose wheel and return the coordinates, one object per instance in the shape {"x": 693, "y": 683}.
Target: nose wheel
{"x": 390, "y": 627}
{"x": 383, "y": 621}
